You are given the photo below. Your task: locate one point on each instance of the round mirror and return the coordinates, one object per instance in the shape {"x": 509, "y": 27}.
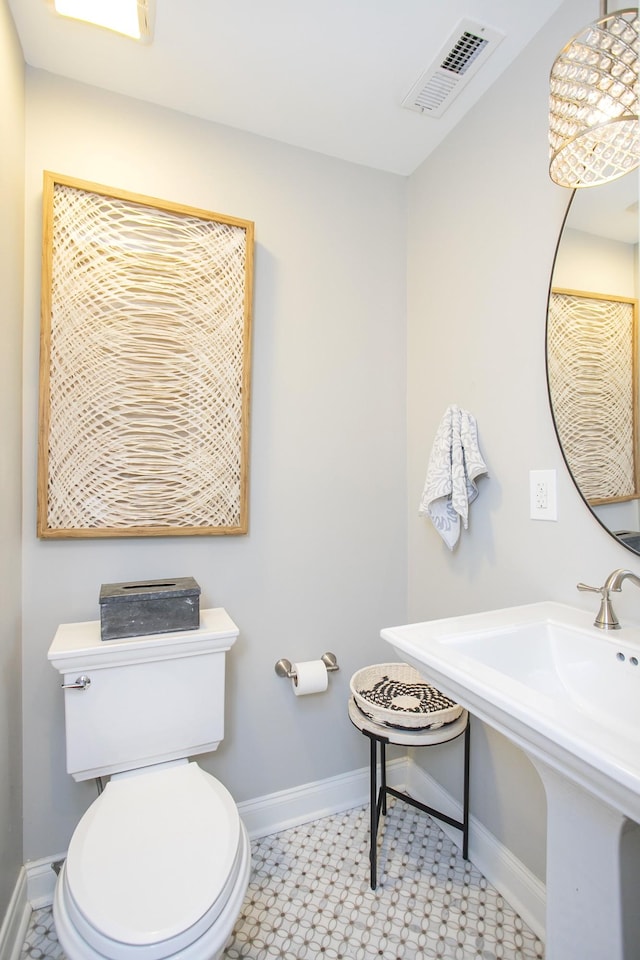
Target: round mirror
{"x": 592, "y": 353}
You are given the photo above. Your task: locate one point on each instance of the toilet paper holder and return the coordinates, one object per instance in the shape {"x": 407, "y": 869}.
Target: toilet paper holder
{"x": 284, "y": 668}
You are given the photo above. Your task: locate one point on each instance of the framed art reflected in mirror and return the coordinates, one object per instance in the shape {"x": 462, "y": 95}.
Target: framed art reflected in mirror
{"x": 592, "y": 371}
{"x": 144, "y": 366}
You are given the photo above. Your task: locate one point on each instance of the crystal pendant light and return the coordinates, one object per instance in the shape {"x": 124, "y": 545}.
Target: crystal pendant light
{"x": 593, "y": 105}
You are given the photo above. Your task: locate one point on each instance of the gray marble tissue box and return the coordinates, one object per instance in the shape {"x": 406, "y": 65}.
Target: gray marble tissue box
{"x": 140, "y": 608}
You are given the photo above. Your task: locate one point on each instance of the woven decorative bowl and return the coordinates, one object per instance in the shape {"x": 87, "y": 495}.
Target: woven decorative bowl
{"x": 394, "y": 694}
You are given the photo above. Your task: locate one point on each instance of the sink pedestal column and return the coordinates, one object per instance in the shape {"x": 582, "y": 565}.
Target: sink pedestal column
{"x": 583, "y": 911}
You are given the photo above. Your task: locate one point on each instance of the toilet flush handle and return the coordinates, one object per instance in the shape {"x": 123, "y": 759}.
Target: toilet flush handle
{"x": 82, "y": 683}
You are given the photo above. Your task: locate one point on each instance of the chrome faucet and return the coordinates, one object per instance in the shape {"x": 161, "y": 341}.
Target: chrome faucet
{"x": 606, "y": 618}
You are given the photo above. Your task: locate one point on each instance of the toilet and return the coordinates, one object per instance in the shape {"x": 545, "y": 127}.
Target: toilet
{"x": 158, "y": 866}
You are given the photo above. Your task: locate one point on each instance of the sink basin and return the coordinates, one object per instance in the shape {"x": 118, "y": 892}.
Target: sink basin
{"x": 546, "y": 677}
{"x": 569, "y": 695}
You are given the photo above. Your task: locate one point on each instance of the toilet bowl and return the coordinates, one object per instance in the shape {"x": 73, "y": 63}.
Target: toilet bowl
{"x": 157, "y": 868}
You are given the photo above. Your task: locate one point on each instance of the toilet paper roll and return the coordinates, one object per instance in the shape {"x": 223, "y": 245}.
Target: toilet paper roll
{"x": 311, "y": 677}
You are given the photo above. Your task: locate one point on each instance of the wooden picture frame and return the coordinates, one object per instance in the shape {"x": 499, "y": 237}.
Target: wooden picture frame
{"x": 145, "y": 352}
{"x": 592, "y": 357}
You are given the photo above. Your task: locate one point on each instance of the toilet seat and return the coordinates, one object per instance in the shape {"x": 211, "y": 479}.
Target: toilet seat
{"x": 154, "y": 862}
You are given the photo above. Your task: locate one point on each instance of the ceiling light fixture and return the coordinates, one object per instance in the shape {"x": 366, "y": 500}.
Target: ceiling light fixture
{"x": 129, "y": 17}
{"x": 593, "y": 105}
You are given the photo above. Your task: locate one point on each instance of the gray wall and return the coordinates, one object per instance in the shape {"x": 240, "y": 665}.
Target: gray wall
{"x": 333, "y": 492}
{"x": 484, "y": 219}
{"x": 11, "y": 268}
{"x": 324, "y": 564}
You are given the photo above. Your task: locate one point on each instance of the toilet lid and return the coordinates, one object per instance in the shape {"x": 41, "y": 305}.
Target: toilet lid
{"x": 153, "y": 853}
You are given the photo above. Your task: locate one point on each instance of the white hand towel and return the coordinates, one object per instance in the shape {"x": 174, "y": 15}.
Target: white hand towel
{"x": 454, "y": 465}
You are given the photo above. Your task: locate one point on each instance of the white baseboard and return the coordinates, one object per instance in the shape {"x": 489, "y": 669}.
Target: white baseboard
{"x": 41, "y": 881}
{"x": 311, "y": 801}
{"x": 517, "y": 884}
{"x": 16, "y": 920}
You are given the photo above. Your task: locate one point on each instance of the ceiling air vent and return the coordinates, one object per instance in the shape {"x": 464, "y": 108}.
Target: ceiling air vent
{"x": 459, "y": 59}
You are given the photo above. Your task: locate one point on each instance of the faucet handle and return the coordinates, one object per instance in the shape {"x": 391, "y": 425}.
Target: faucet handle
{"x": 585, "y": 586}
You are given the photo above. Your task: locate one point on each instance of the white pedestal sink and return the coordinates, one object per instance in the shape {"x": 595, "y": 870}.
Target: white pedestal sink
{"x": 569, "y": 695}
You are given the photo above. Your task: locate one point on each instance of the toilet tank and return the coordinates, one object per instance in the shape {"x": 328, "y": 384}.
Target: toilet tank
{"x": 149, "y": 699}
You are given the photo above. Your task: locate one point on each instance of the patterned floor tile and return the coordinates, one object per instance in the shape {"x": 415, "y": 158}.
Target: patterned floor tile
{"x": 309, "y": 898}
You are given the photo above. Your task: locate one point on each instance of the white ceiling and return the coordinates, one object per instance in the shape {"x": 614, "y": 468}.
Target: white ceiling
{"x": 328, "y": 76}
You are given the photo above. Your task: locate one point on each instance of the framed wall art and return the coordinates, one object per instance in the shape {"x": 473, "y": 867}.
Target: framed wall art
{"x": 145, "y": 354}
{"x": 592, "y": 352}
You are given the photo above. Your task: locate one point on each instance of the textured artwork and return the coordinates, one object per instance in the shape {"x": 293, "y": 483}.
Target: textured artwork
{"x": 591, "y": 353}
{"x": 144, "y": 366}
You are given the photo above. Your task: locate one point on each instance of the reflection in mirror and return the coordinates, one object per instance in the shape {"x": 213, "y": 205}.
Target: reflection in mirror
{"x": 592, "y": 353}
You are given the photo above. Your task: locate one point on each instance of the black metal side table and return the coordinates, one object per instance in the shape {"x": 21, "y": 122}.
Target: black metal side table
{"x": 379, "y": 736}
